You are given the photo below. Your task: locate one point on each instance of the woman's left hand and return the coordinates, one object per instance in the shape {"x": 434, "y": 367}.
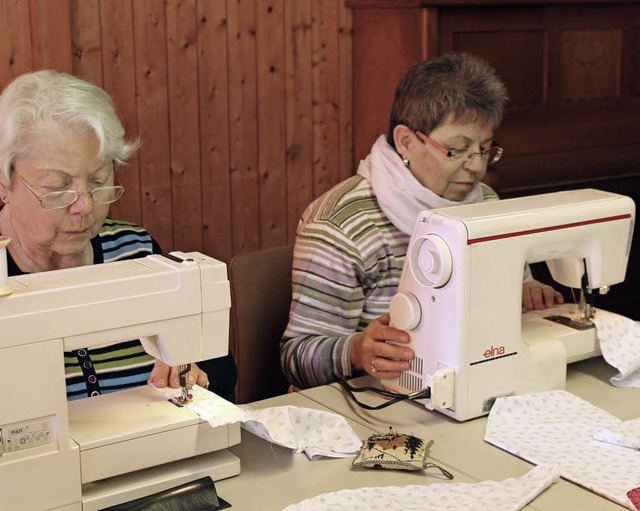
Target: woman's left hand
{"x": 539, "y": 296}
{"x": 164, "y": 375}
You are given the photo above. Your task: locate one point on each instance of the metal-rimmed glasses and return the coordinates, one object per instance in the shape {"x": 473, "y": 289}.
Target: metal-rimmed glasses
{"x": 488, "y": 156}
{"x": 64, "y": 199}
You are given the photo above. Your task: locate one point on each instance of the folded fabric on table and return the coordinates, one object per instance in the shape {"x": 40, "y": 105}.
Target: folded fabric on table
{"x": 314, "y": 432}
{"x": 558, "y": 427}
{"x": 619, "y": 339}
{"x": 508, "y": 495}
{"x": 625, "y": 434}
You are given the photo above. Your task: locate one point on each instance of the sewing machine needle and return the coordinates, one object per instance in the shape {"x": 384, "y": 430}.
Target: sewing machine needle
{"x": 183, "y": 375}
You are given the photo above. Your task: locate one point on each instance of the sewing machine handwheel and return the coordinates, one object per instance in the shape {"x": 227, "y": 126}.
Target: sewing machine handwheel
{"x": 431, "y": 261}
{"x": 405, "y": 311}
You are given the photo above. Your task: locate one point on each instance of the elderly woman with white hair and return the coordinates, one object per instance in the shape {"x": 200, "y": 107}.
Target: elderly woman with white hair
{"x": 61, "y": 147}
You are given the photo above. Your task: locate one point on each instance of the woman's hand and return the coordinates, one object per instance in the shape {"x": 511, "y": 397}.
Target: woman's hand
{"x": 371, "y": 351}
{"x": 164, "y": 375}
{"x": 538, "y": 296}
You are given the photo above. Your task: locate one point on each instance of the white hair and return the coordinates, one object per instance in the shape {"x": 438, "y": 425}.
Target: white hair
{"x": 44, "y": 100}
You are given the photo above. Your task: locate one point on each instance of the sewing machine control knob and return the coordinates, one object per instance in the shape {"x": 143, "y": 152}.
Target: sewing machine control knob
{"x": 431, "y": 261}
{"x": 405, "y": 312}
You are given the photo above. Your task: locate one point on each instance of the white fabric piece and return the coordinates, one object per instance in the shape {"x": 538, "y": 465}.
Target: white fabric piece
{"x": 508, "y": 495}
{"x": 209, "y": 406}
{"x": 557, "y": 427}
{"x": 314, "y": 432}
{"x": 619, "y": 339}
{"x": 625, "y": 434}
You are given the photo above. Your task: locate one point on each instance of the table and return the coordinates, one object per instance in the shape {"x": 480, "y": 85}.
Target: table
{"x": 272, "y": 477}
{"x": 461, "y": 445}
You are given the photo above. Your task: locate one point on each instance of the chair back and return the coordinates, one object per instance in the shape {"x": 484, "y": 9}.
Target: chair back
{"x": 260, "y": 284}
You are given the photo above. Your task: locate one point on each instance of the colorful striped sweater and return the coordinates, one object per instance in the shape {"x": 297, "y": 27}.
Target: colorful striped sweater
{"x": 116, "y": 366}
{"x": 347, "y": 264}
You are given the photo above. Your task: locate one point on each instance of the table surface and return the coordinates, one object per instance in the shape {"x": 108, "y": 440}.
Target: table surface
{"x": 272, "y": 477}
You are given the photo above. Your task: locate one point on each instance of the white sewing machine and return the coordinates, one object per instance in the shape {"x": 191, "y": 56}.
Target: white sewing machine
{"x": 110, "y": 449}
{"x": 460, "y": 294}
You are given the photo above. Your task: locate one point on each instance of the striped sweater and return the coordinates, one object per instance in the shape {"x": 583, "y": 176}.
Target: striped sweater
{"x": 347, "y": 264}
{"x": 118, "y": 366}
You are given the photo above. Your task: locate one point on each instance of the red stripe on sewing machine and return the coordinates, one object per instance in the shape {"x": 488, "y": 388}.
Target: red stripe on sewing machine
{"x": 545, "y": 229}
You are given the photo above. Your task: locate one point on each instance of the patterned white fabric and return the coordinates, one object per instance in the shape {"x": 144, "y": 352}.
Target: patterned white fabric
{"x": 508, "y": 495}
{"x": 620, "y": 345}
{"x": 625, "y": 434}
{"x": 557, "y": 427}
{"x": 314, "y": 432}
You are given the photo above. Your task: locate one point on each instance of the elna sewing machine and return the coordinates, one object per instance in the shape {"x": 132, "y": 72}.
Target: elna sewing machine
{"x": 106, "y": 450}
{"x": 460, "y": 292}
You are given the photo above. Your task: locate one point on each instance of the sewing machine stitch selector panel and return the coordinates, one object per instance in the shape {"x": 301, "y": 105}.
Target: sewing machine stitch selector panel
{"x": 26, "y": 435}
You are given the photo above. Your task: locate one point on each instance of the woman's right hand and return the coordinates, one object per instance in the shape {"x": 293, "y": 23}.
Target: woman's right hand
{"x": 378, "y": 349}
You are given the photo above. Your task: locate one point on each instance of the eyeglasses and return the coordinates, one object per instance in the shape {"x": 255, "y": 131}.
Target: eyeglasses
{"x": 488, "y": 156}
{"x": 64, "y": 199}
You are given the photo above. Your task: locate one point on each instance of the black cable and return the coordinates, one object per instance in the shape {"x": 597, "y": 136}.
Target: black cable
{"x": 394, "y": 397}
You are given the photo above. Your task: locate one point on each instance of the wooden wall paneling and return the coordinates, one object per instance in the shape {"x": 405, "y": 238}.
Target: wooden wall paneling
{"x": 513, "y": 41}
{"x": 51, "y": 34}
{"x": 86, "y": 40}
{"x": 213, "y": 85}
{"x": 552, "y": 74}
{"x": 186, "y": 182}
{"x": 383, "y": 4}
{"x": 299, "y": 110}
{"x": 152, "y": 106}
{"x": 626, "y": 62}
{"x": 345, "y": 93}
{"x": 634, "y": 61}
{"x": 506, "y": 51}
{"x": 243, "y": 127}
{"x": 591, "y": 43}
{"x": 590, "y": 63}
{"x": 118, "y": 63}
{"x": 272, "y": 172}
{"x": 325, "y": 95}
{"x": 553, "y": 92}
{"x": 549, "y": 127}
{"x": 15, "y": 48}
{"x": 215, "y": 171}
{"x": 431, "y": 33}
{"x": 386, "y": 43}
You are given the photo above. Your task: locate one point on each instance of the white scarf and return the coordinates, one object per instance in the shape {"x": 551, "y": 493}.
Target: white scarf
{"x": 399, "y": 193}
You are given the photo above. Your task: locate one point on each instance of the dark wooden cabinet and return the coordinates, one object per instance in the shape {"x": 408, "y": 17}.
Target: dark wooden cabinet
{"x": 572, "y": 69}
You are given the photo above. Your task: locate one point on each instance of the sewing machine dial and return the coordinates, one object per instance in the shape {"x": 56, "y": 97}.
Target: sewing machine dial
{"x": 431, "y": 261}
{"x": 405, "y": 312}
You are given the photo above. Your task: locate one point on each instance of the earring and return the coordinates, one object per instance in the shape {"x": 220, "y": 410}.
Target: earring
{"x": 405, "y": 162}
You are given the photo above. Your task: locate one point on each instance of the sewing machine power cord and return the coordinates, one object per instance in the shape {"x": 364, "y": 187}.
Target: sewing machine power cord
{"x": 393, "y": 397}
